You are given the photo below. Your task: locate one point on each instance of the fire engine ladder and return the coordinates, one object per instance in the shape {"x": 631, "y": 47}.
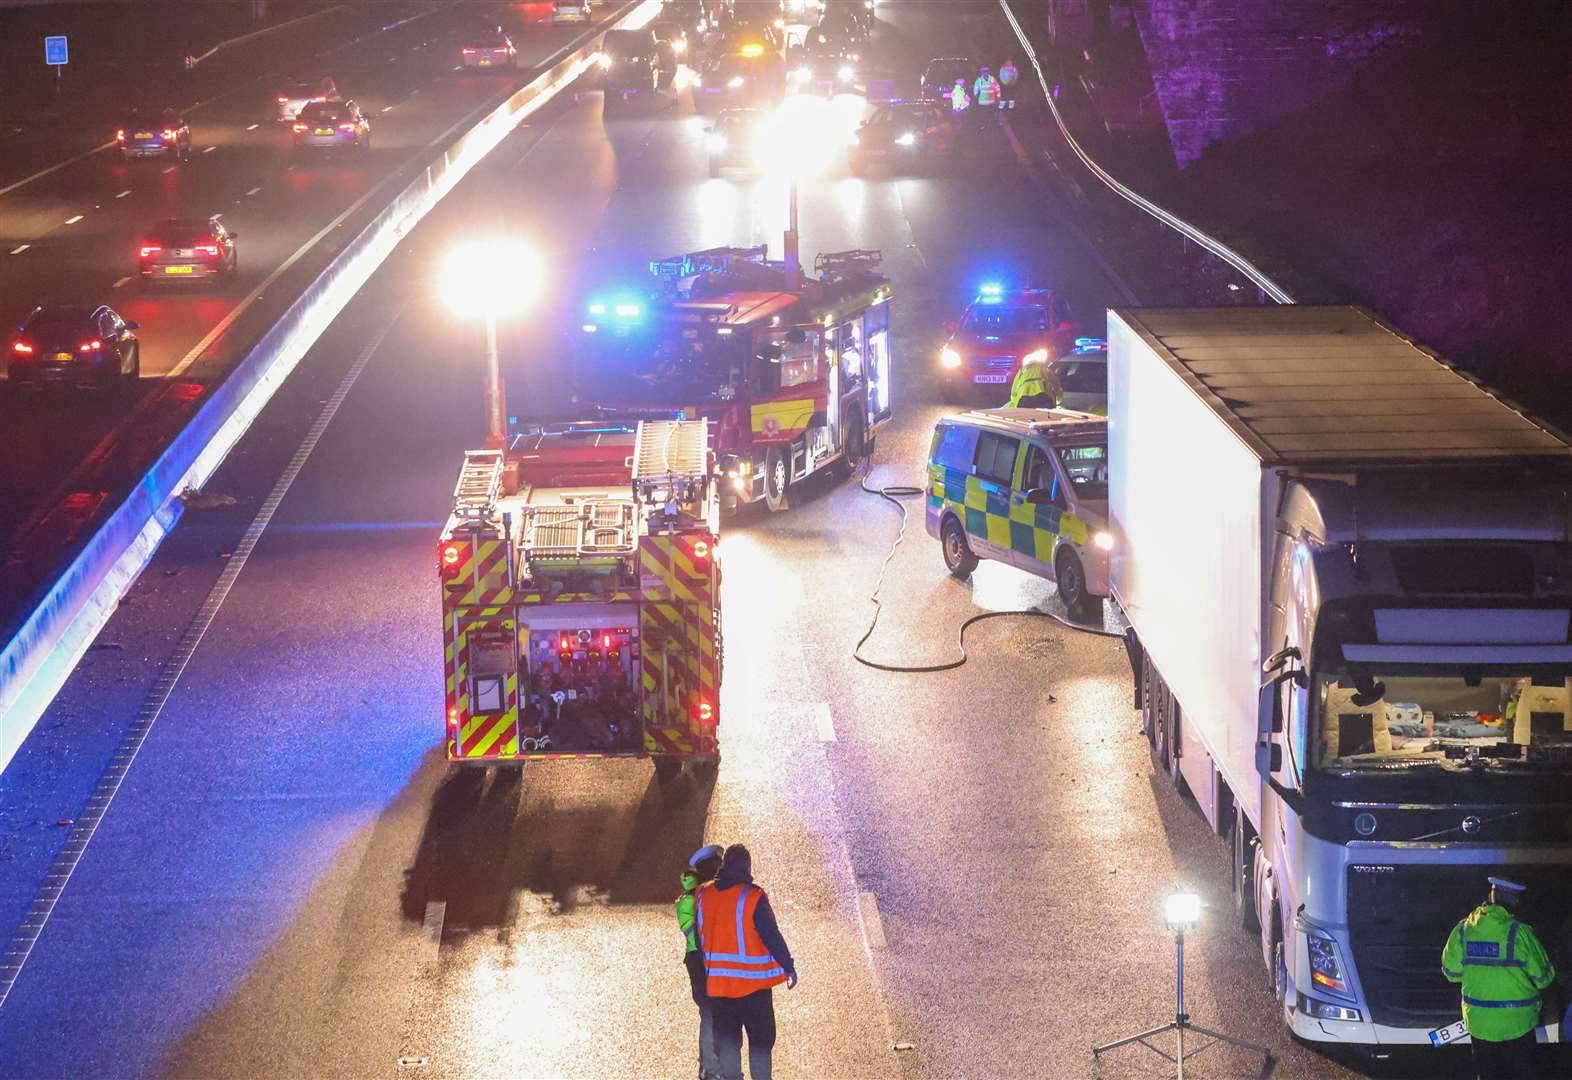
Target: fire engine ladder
{"x": 841, "y": 264}
{"x": 597, "y": 538}
{"x": 479, "y": 481}
{"x": 671, "y": 461}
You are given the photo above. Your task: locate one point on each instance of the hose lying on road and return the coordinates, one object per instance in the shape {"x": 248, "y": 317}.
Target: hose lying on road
{"x": 893, "y": 494}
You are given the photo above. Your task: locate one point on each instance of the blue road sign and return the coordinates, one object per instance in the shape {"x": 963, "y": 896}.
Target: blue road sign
{"x": 55, "y": 51}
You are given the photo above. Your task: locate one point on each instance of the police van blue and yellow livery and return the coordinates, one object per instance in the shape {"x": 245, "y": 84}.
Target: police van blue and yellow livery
{"x": 1025, "y": 487}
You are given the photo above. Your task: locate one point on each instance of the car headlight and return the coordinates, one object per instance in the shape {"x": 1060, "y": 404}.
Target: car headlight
{"x": 1103, "y": 540}
{"x": 698, "y": 80}
{"x": 603, "y": 60}
{"x": 717, "y": 143}
{"x": 906, "y": 138}
{"x": 679, "y": 46}
{"x": 735, "y": 82}
{"x": 950, "y": 358}
{"x": 846, "y": 73}
{"x": 1326, "y": 970}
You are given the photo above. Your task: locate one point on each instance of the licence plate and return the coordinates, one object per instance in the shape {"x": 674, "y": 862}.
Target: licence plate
{"x": 63, "y": 357}
{"x": 324, "y": 131}
{"x": 484, "y": 62}
{"x": 990, "y": 378}
{"x": 1452, "y": 1033}
{"x": 177, "y": 269}
{"x": 144, "y": 135}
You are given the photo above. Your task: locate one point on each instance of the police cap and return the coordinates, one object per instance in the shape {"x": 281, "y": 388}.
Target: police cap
{"x": 1506, "y": 885}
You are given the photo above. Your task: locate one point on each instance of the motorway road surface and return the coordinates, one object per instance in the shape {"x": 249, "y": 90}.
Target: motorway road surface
{"x": 292, "y": 882}
{"x": 71, "y": 237}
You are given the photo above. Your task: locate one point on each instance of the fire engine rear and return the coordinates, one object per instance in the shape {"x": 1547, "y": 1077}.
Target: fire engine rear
{"x": 581, "y": 597}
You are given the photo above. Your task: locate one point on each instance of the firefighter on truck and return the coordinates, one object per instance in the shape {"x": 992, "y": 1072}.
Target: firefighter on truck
{"x": 581, "y": 598}
{"x": 791, "y": 369}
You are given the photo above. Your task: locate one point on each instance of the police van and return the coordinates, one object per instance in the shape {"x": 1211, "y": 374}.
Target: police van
{"x": 1026, "y": 487}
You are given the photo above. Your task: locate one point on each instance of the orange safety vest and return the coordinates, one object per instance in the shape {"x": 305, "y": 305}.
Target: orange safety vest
{"x": 735, "y": 957}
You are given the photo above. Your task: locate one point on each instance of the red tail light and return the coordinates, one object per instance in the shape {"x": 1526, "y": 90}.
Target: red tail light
{"x": 701, "y": 549}
{"x": 299, "y": 128}
{"x": 705, "y": 712}
{"x": 283, "y": 101}
{"x": 453, "y": 716}
{"x": 346, "y": 127}
{"x": 22, "y": 347}
{"x": 207, "y": 249}
{"x": 563, "y": 644}
{"x": 150, "y": 249}
{"x": 169, "y": 133}
{"x": 450, "y": 557}
{"x": 469, "y": 52}
{"x": 120, "y": 135}
{"x": 90, "y": 346}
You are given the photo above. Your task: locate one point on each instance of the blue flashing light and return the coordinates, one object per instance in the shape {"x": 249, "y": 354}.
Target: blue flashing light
{"x": 590, "y": 328}
{"x": 629, "y": 311}
{"x": 1082, "y": 342}
{"x": 597, "y": 309}
{"x": 990, "y": 290}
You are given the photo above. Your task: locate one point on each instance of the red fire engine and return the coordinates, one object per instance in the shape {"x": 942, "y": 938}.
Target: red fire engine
{"x": 581, "y": 597}
{"x": 792, "y": 370}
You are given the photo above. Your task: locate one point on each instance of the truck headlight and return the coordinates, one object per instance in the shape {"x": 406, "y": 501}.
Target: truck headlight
{"x": 950, "y": 358}
{"x": 735, "y": 82}
{"x": 1326, "y": 969}
{"x": 906, "y": 138}
{"x": 603, "y": 60}
{"x": 847, "y": 73}
{"x": 1103, "y": 540}
{"x": 1325, "y": 1010}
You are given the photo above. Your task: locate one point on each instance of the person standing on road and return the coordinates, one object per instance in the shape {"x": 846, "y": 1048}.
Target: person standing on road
{"x": 959, "y": 100}
{"x": 744, "y": 956}
{"x": 1035, "y": 387}
{"x": 1503, "y": 969}
{"x": 1009, "y": 76}
{"x": 985, "y": 91}
{"x": 702, "y": 867}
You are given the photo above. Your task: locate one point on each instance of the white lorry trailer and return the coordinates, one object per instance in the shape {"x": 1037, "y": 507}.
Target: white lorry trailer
{"x": 1347, "y": 569}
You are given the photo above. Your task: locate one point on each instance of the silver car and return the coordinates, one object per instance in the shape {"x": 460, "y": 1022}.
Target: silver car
{"x": 295, "y": 96}
{"x": 1083, "y": 376}
{"x": 332, "y": 125}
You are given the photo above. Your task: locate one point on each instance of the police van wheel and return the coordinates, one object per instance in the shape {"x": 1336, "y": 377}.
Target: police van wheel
{"x": 958, "y": 555}
{"x": 1071, "y": 579}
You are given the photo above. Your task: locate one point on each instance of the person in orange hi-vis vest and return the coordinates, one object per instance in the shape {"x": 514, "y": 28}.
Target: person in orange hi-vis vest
{"x": 744, "y": 956}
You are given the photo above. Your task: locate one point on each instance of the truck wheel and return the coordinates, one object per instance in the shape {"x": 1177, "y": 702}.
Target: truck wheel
{"x": 1071, "y": 579}
{"x": 706, "y": 769}
{"x": 1244, "y": 873}
{"x": 852, "y": 450}
{"x": 958, "y": 555}
{"x": 777, "y": 477}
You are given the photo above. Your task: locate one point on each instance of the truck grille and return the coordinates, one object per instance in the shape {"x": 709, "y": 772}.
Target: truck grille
{"x": 993, "y": 363}
{"x": 1399, "y": 918}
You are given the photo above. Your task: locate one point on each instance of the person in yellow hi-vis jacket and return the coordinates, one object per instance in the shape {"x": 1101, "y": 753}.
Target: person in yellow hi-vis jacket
{"x": 1503, "y": 969}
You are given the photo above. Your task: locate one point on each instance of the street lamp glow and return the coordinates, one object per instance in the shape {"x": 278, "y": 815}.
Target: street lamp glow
{"x": 489, "y": 277}
{"x": 1181, "y": 911}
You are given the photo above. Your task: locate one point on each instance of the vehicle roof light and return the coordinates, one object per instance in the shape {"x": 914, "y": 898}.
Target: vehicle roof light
{"x": 597, "y": 309}
{"x": 753, "y": 49}
{"x": 629, "y": 311}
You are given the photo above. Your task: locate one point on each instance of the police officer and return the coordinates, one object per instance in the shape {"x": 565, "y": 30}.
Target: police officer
{"x": 1503, "y": 969}
{"x": 1035, "y": 386}
{"x": 985, "y": 91}
{"x": 702, "y": 867}
{"x": 1009, "y": 76}
{"x": 960, "y": 101}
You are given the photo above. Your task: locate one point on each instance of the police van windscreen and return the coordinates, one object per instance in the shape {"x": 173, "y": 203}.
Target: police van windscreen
{"x": 1086, "y": 467}
{"x": 658, "y": 366}
{"x": 989, "y": 319}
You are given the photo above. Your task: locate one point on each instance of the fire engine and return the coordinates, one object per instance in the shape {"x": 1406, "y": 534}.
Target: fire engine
{"x": 792, "y": 369}
{"x": 581, "y": 597}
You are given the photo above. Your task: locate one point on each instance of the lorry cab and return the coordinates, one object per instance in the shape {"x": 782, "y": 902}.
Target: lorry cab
{"x": 1025, "y": 487}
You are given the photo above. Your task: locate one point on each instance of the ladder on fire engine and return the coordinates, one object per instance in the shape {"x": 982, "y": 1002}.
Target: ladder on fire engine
{"x": 475, "y": 496}
{"x": 833, "y": 265}
{"x": 671, "y": 461}
{"x": 711, "y": 260}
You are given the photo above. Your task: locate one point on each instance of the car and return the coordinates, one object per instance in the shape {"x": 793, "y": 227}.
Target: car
{"x": 296, "y": 94}
{"x": 74, "y": 346}
{"x": 733, "y": 138}
{"x": 730, "y": 81}
{"x": 903, "y": 135}
{"x": 570, "y": 11}
{"x": 748, "y": 39}
{"x": 163, "y": 134}
{"x": 1082, "y": 376}
{"x": 825, "y": 64}
{"x": 183, "y": 250}
{"x": 633, "y": 62}
{"x": 678, "y": 34}
{"x": 1028, "y": 488}
{"x": 938, "y": 78}
{"x": 486, "y": 48}
{"x": 999, "y": 329}
{"x": 332, "y": 125}
{"x": 848, "y": 23}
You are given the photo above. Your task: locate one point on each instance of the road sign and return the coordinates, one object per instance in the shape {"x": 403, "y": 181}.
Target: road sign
{"x": 55, "y": 51}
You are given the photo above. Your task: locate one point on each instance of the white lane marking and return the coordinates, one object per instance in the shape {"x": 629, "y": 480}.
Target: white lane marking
{"x": 209, "y": 149}
{"x": 170, "y": 168}
{"x": 87, "y": 822}
{"x": 123, "y": 194}
{"x": 56, "y": 168}
{"x": 253, "y": 191}
{"x": 253, "y": 127}
{"x": 75, "y": 219}
{"x": 872, "y": 925}
{"x": 121, "y": 282}
{"x": 823, "y": 721}
{"x": 20, "y": 248}
{"x": 458, "y": 67}
{"x": 431, "y": 931}
{"x": 387, "y": 108}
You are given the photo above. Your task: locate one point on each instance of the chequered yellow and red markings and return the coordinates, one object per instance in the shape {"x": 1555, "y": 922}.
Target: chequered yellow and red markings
{"x": 677, "y": 621}
{"x": 489, "y": 735}
{"x": 481, "y": 578}
{"x": 525, "y": 596}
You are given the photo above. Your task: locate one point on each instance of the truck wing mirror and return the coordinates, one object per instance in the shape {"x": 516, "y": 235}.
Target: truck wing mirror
{"x": 1272, "y": 705}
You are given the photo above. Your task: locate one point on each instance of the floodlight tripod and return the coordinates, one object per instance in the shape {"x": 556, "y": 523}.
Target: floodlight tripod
{"x": 1180, "y": 1024}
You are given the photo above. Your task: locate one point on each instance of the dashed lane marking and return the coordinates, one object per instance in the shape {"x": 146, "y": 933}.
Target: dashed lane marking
{"x": 823, "y": 721}
{"x": 872, "y": 925}
{"x": 170, "y": 168}
{"x": 123, "y": 194}
{"x": 86, "y": 824}
{"x": 387, "y": 108}
{"x": 431, "y": 931}
{"x": 74, "y": 219}
{"x": 209, "y": 149}
{"x": 253, "y": 127}
{"x": 253, "y": 191}
{"x": 121, "y": 282}
{"x": 20, "y": 248}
